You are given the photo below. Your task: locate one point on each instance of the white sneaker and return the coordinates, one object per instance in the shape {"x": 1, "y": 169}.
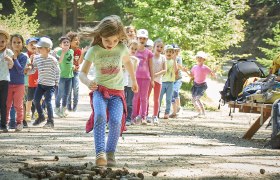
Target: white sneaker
{"x": 149, "y": 119}
{"x": 128, "y": 123}
{"x": 19, "y": 127}
{"x": 155, "y": 120}
{"x": 64, "y": 112}
{"x": 57, "y": 111}
{"x": 138, "y": 120}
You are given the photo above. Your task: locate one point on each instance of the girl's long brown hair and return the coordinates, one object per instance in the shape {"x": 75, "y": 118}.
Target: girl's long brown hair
{"x": 109, "y": 26}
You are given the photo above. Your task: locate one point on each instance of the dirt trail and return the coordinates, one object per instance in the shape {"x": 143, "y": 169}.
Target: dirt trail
{"x": 186, "y": 147}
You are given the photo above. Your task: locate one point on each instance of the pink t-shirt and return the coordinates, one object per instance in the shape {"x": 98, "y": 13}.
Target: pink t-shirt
{"x": 200, "y": 73}
{"x": 143, "y": 70}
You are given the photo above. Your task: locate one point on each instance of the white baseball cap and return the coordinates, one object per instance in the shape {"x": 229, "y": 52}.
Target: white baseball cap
{"x": 168, "y": 47}
{"x": 142, "y": 33}
{"x": 150, "y": 42}
{"x": 201, "y": 54}
{"x": 44, "y": 42}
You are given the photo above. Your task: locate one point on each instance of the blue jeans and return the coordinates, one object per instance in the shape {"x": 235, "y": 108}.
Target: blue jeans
{"x": 75, "y": 89}
{"x": 115, "y": 111}
{"x": 176, "y": 89}
{"x": 48, "y": 92}
{"x": 129, "y": 97}
{"x": 63, "y": 91}
{"x": 167, "y": 88}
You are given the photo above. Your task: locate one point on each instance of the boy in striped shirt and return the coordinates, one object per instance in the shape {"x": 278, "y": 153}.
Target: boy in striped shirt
{"x": 48, "y": 78}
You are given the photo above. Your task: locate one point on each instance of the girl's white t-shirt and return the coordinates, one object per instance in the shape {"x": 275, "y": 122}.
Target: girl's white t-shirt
{"x": 127, "y": 79}
{"x": 158, "y": 64}
{"x": 4, "y": 68}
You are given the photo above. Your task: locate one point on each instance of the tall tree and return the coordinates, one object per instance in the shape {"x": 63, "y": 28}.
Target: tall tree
{"x": 274, "y": 49}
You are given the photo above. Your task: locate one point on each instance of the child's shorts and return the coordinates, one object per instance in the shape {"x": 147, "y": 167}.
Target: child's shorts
{"x": 31, "y": 93}
{"x": 198, "y": 89}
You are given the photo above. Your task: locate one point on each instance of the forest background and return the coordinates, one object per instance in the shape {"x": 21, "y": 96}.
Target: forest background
{"x": 225, "y": 29}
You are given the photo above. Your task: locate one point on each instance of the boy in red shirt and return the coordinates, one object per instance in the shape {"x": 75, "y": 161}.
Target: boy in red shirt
{"x": 78, "y": 59}
{"x": 32, "y": 78}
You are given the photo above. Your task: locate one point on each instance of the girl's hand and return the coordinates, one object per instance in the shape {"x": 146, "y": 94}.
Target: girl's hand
{"x": 64, "y": 50}
{"x": 152, "y": 83}
{"x": 85, "y": 49}
{"x": 92, "y": 85}
{"x": 134, "y": 87}
{"x": 7, "y": 58}
{"x": 16, "y": 53}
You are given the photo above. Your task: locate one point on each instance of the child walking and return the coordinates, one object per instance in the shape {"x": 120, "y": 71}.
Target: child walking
{"x": 145, "y": 78}
{"x": 199, "y": 73}
{"x": 16, "y": 85}
{"x": 78, "y": 59}
{"x": 32, "y": 78}
{"x": 6, "y": 63}
{"x": 159, "y": 65}
{"x": 66, "y": 57}
{"x": 176, "y": 103}
{"x": 168, "y": 78}
{"x": 48, "y": 77}
{"x": 107, "y": 53}
{"x": 127, "y": 80}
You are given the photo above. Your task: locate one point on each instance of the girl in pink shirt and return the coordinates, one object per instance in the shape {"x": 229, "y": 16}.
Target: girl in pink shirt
{"x": 144, "y": 76}
{"x": 199, "y": 73}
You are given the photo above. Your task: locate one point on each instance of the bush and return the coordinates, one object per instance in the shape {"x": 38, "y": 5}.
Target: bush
{"x": 20, "y": 22}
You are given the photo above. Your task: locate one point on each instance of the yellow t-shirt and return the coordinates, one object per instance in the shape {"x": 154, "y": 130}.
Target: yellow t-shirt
{"x": 275, "y": 64}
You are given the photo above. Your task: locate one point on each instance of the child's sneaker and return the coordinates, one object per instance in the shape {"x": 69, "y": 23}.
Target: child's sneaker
{"x": 111, "y": 161}
{"x": 64, "y": 112}
{"x": 39, "y": 120}
{"x": 4, "y": 129}
{"x": 19, "y": 127}
{"x": 12, "y": 125}
{"x": 49, "y": 125}
{"x": 155, "y": 120}
{"x": 57, "y": 111}
{"x": 101, "y": 159}
{"x": 173, "y": 115}
{"x": 149, "y": 120}
{"x": 128, "y": 123}
{"x": 133, "y": 122}
{"x": 28, "y": 117}
{"x": 25, "y": 125}
{"x": 144, "y": 122}
{"x": 166, "y": 116}
{"x": 36, "y": 115}
{"x": 138, "y": 120}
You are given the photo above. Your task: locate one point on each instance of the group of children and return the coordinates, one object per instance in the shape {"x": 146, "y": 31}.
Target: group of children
{"x": 127, "y": 69}
{"x": 25, "y": 77}
{"x": 126, "y": 72}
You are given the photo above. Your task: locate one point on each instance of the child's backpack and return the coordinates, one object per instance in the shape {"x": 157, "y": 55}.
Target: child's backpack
{"x": 237, "y": 75}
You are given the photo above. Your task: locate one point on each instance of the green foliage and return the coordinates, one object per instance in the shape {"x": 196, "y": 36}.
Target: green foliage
{"x": 51, "y": 6}
{"x": 274, "y": 48}
{"x": 211, "y": 25}
{"x": 106, "y": 8}
{"x": 20, "y": 21}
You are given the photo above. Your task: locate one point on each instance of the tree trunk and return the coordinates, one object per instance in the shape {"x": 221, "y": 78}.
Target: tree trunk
{"x": 75, "y": 15}
{"x": 64, "y": 17}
